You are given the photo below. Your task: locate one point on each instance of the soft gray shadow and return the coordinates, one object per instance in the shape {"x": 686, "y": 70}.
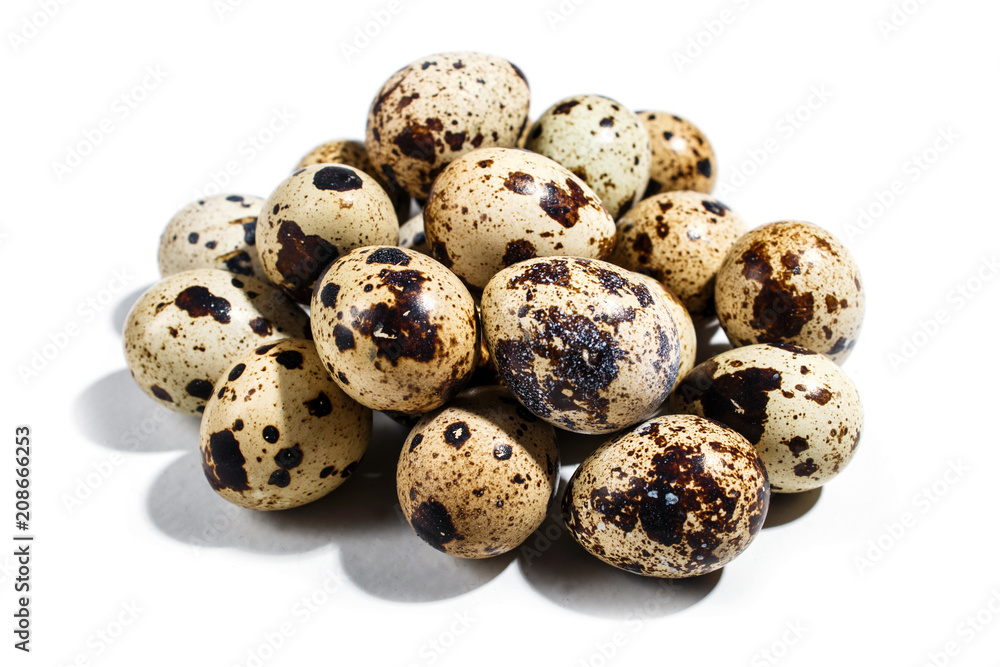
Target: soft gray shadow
{"x": 705, "y": 331}
{"x": 787, "y": 507}
{"x": 378, "y": 550}
{"x": 575, "y": 447}
{"x": 120, "y": 312}
{"x": 115, "y": 413}
{"x": 555, "y": 565}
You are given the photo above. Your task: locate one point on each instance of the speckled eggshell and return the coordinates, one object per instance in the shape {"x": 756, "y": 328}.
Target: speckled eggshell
{"x": 600, "y": 141}
{"x": 187, "y": 329}
{"x": 317, "y": 214}
{"x": 278, "y": 433}
{"x": 791, "y": 282}
{"x": 217, "y": 232}
{"x": 583, "y": 344}
{"x": 475, "y": 478}
{"x": 439, "y": 108}
{"x": 682, "y": 157}
{"x": 798, "y": 408}
{"x": 352, "y": 153}
{"x": 681, "y": 239}
{"x": 396, "y": 329}
{"x": 411, "y": 235}
{"x": 678, "y": 496}
{"x": 495, "y": 207}
{"x": 686, "y": 332}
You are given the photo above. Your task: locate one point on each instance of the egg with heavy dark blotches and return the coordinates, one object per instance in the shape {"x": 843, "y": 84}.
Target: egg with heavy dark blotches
{"x": 687, "y": 336}
{"x": 278, "y": 432}
{"x": 475, "y": 478}
{"x": 352, "y": 153}
{"x": 396, "y": 329}
{"x": 797, "y": 407}
{"x": 678, "y": 496}
{"x": 217, "y": 232}
{"x": 600, "y": 141}
{"x": 185, "y": 330}
{"x": 440, "y": 107}
{"x": 683, "y": 159}
{"x": 495, "y": 207}
{"x": 317, "y": 214}
{"x": 681, "y": 239}
{"x": 791, "y": 282}
{"x": 583, "y": 344}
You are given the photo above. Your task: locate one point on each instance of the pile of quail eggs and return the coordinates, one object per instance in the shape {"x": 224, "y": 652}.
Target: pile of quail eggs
{"x": 552, "y": 281}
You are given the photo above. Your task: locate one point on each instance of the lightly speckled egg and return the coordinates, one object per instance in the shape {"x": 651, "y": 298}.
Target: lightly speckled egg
{"x": 797, "y": 407}
{"x": 791, "y": 282}
{"x": 681, "y": 239}
{"x": 278, "y": 433}
{"x": 352, "y": 153}
{"x": 682, "y": 157}
{"x": 475, "y": 478}
{"x": 494, "y": 207}
{"x": 217, "y": 232}
{"x": 396, "y": 329}
{"x": 583, "y": 344}
{"x": 600, "y": 141}
{"x": 686, "y": 333}
{"x": 678, "y": 496}
{"x": 187, "y": 329}
{"x": 314, "y": 216}
{"x": 411, "y": 235}
{"x": 439, "y": 108}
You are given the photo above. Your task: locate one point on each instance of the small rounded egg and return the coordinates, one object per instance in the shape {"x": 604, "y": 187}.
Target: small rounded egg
{"x": 217, "y": 232}
{"x": 681, "y": 239}
{"x": 187, "y": 329}
{"x": 791, "y": 282}
{"x": 600, "y": 141}
{"x": 682, "y": 157}
{"x": 583, "y": 344}
{"x": 317, "y": 214}
{"x": 396, "y": 329}
{"x": 797, "y": 407}
{"x": 278, "y": 433}
{"x": 475, "y": 478}
{"x": 494, "y": 207}
{"x": 678, "y": 496}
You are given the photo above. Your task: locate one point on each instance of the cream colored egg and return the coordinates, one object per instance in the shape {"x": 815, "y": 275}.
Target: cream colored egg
{"x": 495, "y": 207}
{"x": 278, "y": 432}
{"x": 678, "y": 496}
{"x": 475, "y": 478}
{"x": 797, "y": 407}
{"x": 187, "y": 329}
{"x": 682, "y": 157}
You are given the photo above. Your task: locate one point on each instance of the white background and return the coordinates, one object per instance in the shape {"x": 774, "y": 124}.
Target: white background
{"x": 136, "y": 560}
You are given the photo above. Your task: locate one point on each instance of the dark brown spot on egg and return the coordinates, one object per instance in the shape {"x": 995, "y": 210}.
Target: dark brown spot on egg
{"x": 223, "y": 465}
{"x": 237, "y": 371}
{"x": 392, "y": 256}
{"x": 455, "y": 140}
{"x": 806, "y": 468}
{"x": 289, "y": 457}
{"x": 328, "y": 295}
{"x": 161, "y": 393}
{"x": 433, "y": 524}
{"x": 197, "y": 301}
{"x": 520, "y": 183}
{"x": 705, "y": 167}
{"x": 503, "y": 451}
{"x": 563, "y": 206}
{"x": 738, "y": 400}
{"x": 779, "y": 311}
{"x": 417, "y": 140}
{"x": 564, "y": 108}
{"x": 339, "y": 179}
{"x": 518, "y": 251}
{"x": 797, "y": 445}
{"x": 271, "y": 434}
{"x": 326, "y": 472}
{"x": 457, "y": 434}
{"x": 319, "y": 406}
{"x": 290, "y": 359}
{"x": 301, "y": 258}
{"x": 261, "y": 326}
{"x": 417, "y": 439}
{"x": 199, "y": 389}
{"x": 403, "y": 328}
{"x": 280, "y": 478}
{"x": 343, "y": 338}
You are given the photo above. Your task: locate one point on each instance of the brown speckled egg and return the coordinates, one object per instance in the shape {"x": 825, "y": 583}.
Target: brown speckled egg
{"x": 317, "y": 214}
{"x": 678, "y": 496}
{"x": 352, "y": 153}
{"x": 682, "y": 157}
{"x": 217, "y": 232}
{"x": 187, "y": 329}
{"x": 681, "y": 239}
{"x": 475, "y": 478}
{"x": 411, "y": 235}
{"x": 600, "y": 141}
{"x": 791, "y": 282}
{"x": 583, "y": 344}
{"x": 278, "y": 433}
{"x": 495, "y": 207}
{"x": 439, "y": 108}
{"x": 686, "y": 332}
{"x": 396, "y": 329}
{"x": 798, "y": 408}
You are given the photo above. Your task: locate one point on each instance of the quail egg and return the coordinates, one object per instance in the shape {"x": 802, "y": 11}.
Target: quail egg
{"x": 217, "y": 232}
{"x": 682, "y": 157}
